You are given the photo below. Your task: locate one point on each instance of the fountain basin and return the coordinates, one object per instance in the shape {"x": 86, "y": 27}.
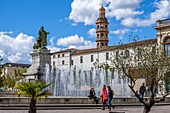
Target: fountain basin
{"x": 70, "y": 100}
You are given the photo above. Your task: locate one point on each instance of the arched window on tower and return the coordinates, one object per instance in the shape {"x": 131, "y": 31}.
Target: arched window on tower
{"x": 97, "y": 44}
{"x": 97, "y": 26}
{"x": 167, "y": 46}
{"x": 102, "y": 35}
{"x": 97, "y": 36}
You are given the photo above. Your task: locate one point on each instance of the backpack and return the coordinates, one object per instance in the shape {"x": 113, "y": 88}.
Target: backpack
{"x": 112, "y": 93}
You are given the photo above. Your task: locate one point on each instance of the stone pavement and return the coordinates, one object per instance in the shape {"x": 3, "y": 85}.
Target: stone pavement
{"x": 130, "y": 109}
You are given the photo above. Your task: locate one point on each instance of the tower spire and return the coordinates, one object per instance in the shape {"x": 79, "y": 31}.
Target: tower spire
{"x": 102, "y": 29}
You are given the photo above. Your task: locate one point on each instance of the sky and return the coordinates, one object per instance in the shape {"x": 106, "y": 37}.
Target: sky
{"x": 71, "y": 23}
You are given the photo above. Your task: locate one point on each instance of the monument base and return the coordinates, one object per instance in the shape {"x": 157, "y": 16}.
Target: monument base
{"x": 40, "y": 57}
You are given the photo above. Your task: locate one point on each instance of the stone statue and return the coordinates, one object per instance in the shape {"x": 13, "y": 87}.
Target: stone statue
{"x": 41, "y": 41}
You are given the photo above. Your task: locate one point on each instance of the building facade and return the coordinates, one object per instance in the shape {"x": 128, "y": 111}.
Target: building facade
{"x": 85, "y": 59}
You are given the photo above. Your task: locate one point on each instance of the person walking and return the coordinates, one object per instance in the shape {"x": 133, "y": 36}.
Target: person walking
{"x": 104, "y": 97}
{"x": 142, "y": 90}
{"x": 92, "y": 95}
{"x": 110, "y": 97}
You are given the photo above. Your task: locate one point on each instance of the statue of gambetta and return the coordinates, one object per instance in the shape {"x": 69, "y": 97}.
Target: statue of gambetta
{"x": 41, "y": 40}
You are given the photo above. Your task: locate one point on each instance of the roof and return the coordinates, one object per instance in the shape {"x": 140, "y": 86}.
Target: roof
{"x": 106, "y": 48}
{"x": 16, "y": 64}
{"x": 66, "y": 50}
{"x": 122, "y": 46}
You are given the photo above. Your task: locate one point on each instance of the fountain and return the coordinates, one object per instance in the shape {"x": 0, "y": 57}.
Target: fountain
{"x": 76, "y": 82}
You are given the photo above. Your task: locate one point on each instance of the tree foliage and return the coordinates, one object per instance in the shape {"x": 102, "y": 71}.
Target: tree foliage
{"x": 34, "y": 90}
{"x": 149, "y": 63}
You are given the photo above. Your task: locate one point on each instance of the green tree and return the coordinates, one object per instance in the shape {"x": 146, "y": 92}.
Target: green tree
{"x": 149, "y": 63}
{"x": 146, "y": 61}
{"x": 8, "y": 81}
{"x": 34, "y": 90}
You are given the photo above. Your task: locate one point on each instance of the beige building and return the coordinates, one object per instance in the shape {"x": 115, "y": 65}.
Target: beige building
{"x": 13, "y": 68}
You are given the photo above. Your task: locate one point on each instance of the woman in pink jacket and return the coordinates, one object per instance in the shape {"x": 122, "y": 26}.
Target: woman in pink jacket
{"x": 104, "y": 97}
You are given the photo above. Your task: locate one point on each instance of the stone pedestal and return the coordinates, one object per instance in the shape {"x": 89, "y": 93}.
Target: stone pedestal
{"x": 40, "y": 58}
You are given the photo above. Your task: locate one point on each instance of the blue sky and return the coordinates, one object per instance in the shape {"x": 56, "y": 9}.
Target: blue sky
{"x": 71, "y": 23}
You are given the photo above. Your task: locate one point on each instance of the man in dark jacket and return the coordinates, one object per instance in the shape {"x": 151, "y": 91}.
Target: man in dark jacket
{"x": 142, "y": 90}
{"x": 110, "y": 97}
{"x": 92, "y": 95}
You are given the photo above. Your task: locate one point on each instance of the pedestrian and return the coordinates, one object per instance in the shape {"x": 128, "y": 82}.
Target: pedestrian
{"x": 104, "y": 97}
{"x": 92, "y": 95}
{"x": 142, "y": 90}
{"x": 110, "y": 97}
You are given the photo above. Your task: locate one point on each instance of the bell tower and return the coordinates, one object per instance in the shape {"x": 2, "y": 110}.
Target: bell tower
{"x": 101, "y": 29}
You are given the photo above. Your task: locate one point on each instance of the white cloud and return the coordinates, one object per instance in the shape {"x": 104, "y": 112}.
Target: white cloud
{"x": 75, "y": 42}
{"x": 127, "y": 11}
{"x": 74, "y": 24}
{"x": 52, "y": 39}
{"x": 85, "y": 11}
{"x": 16, "y": 49}
{"x": 161, "y": 12}
{"x": 70, "y": 40}
{"x": 3, "y": 33}
{"x": 16, "y": 57}
{"x": 92, "y": 32}
{"x": 123, "y": 8}
{"x": 119, "y": 31}
{"x": 53, "y": 49}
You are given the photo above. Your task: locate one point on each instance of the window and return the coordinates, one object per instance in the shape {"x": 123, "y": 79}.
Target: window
{"x": 139, "y": 53}
{"x": 97, "y": 44}
{"x": 62, "y": 55}
{"x": 139, "y": 64}
{"x": 167, "y": 46}
{"x": 53, "y": 63}
{"x": 167, "y": 49}
{"x": 62, "y": 62}
{"x": 59, "y": 56}
{"x": 127, "y": 53}
{"x": 72, "y": 62}
{"x": 107, "y": 56}
{"x": 117, "y": 55}
{"x": 102, "y": 44}
{"x": 97, "y": 36}
{"x": 81, "y": 59}
{"x": 92, "y": 58}
{"x": 153, "y": 50}
{"x": 53, "y": 56}
{"x": 102, "y": 35}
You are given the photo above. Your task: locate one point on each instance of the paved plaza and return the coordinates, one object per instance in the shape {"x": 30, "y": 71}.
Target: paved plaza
{"x": 136, "y": 109}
